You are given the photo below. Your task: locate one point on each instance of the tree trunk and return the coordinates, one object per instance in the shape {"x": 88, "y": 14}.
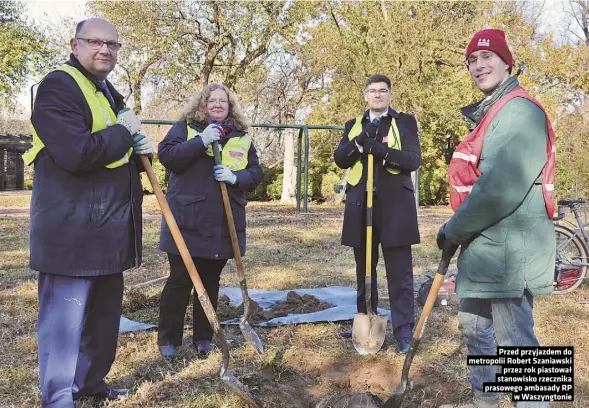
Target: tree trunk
{"x": 137, "y": 108}
{"x": 289, "y": 177}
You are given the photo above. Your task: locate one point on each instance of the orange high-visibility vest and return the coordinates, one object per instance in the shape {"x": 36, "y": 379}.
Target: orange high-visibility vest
{"x": 463, "y": 170}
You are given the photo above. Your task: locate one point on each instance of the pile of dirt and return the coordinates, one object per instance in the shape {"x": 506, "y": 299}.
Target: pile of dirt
{"x": 294, "y": 303}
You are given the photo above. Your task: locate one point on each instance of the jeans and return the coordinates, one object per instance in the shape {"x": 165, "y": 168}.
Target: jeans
{"x": 510, "y": 322}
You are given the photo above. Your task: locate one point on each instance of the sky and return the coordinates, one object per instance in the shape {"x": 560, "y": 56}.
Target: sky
{"x": 51, "y": 12}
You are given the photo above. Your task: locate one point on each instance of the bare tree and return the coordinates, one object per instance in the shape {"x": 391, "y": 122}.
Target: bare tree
{"x": 578, "y": 28}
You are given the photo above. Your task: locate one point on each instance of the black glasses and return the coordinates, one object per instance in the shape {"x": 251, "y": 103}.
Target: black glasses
{"x": 97, "y": 44}
{"x": 373, "y": 92}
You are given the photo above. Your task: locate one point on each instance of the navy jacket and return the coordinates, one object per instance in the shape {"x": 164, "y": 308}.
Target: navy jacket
{"x": 394, "y": 192}
{"x": 195, "y": 198}
{"x": 85, "y": 218}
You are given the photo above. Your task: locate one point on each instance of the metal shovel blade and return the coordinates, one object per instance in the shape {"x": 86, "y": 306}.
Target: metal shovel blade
{"x": 398, "y": 395}
{"x": 368, "y": 332}
{"x": 246, "y": 329}
{"x": 229, "y": 379}
{"x": 238, "y": 388}
{"x": 251, "y": 336}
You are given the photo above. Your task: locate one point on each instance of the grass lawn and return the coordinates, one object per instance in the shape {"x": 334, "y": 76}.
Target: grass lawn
{"x": 302, "y": 363}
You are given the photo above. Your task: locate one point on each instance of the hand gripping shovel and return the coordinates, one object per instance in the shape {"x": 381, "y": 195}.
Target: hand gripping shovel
{"x": 368, "y": 330}
{"x": 396, "y": 399}
{"x": 229, "y": 379}
{"x": 247, "y": 330}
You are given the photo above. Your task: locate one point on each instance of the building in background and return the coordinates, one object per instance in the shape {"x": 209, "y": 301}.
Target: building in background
{"x": 12, "y": 169}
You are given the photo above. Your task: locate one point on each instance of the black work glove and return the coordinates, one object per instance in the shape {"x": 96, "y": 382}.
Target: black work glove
{"x": 376, "y": 148}
{"x": 360, "y": 138}
{"x": 441, "y": 238}
{"x": 371, "y": 130}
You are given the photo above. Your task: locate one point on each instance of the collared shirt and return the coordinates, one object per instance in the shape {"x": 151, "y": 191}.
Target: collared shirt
{"x": 371, "y": 116}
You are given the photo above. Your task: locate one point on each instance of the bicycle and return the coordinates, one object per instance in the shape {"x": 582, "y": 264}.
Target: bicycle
{"x": 572, "y": 247}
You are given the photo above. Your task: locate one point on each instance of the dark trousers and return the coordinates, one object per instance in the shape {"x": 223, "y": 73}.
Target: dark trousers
{"x": 399, "y": 270}
{"x": 78, "y": 327}
{"x": 176, "y": 295}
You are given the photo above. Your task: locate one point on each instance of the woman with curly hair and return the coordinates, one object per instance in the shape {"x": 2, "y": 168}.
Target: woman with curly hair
{"x": 194, "y": 196}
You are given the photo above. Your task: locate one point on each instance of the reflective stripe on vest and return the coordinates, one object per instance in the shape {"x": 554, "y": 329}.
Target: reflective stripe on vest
{"x": 233, "y": 154}
{"x": 463, "y": 169}
{"x": 102, "y": 116}
{"x": 393, "y": 141}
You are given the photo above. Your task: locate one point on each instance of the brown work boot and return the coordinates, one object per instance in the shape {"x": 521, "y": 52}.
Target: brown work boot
{"x": 472, "y": 403}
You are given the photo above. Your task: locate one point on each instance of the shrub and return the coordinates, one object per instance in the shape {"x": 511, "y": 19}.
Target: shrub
{"x": 274, "y": 190}
{"x": 160, "y": 172}
{"x": 327, "y": 185}
{"x": 269, "y": 177}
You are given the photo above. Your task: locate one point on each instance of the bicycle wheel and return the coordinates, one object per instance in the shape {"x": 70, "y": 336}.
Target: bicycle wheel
{"x": 571, "y": 259}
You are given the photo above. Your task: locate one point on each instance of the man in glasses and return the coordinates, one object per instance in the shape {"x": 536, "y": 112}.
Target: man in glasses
{"x": 502, "y": 180}
{"x": 85, "y": 215}
{"x": 391, "y": 137}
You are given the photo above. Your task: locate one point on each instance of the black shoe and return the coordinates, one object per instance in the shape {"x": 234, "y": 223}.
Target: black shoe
{"x": 346, "y": 334}
{"x": 403, "y": 346}
{"x": 203, "y": 347}
{"x": 111, "y": 394}
{"x": 168, "y": 351}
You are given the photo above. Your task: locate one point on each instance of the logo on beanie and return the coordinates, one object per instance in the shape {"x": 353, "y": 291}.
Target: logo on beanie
{"x": 484, "y": 42}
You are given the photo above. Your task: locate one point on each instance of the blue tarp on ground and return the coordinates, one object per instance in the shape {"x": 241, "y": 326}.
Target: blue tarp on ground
{"x": 343, "y": 299}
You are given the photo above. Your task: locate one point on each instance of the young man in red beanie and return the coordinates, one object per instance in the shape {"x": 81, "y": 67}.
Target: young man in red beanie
{"x": 501, "y": 178}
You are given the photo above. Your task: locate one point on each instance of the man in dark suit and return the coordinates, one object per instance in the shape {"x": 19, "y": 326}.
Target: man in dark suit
{"x": 85, "y": 216}
{"x": 391, "y": 137}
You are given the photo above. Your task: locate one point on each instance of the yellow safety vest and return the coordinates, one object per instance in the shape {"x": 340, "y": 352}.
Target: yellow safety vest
{"x": 102, "y": 116}
{"x": 234, "y": 153}
{"x": 393, "y": 140}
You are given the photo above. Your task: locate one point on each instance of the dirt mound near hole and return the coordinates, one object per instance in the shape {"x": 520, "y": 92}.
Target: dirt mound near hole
{"x": 376, "y": 377}
{"x": 294, "y": 303}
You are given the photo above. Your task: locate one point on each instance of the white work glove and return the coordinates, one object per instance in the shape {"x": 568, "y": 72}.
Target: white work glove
{"x": 222, "y": 173}
{"x": 210, "y": 134}
{"x": 128, "y": 119}
{"x": 142, "y": 144}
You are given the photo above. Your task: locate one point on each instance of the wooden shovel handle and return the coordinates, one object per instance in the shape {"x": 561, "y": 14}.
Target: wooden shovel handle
{"x": 230, "y": 219}
{"x": 447, "y": 254}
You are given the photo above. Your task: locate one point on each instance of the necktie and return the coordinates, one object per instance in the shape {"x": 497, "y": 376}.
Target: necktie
{"x": 104, "y": 88}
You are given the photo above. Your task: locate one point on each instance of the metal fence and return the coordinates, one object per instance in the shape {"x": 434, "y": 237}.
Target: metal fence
{"x": 303, "y": 143}
{"x": 303, "y": 140}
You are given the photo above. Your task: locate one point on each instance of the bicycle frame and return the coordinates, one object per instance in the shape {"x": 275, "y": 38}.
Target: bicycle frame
{"x": 578, "y": 229}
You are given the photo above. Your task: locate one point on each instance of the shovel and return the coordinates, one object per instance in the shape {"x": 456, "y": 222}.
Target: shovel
{"x": 368, "y": 330}
{"x": 229, "y": 379}
{"x": 248, "y": 332}
{"x": 398, "y": 395}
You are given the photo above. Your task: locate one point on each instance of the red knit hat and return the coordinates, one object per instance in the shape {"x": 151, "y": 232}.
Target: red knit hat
{"x": 492, "y": 40}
